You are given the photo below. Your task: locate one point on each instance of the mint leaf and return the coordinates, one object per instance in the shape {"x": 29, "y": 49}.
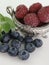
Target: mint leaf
{"x": 6, "y": 27}
{"x": 0, "y": 28}
{"x": 6, "y": 24}
{"x": 1, "y": 17}
{"x": 12, "y": 25}
{"x": 1, "y": 22}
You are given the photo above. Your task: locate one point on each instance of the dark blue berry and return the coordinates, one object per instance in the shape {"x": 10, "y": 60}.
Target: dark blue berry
{"x": 5, "y": 38}
{"x": 16, "y": 44}
{"x": 28, "y": 39}
{"x": 23, "y": 55}
{"x": 13, "y": 51}
{"x": 4, "y": 48}
{"x": 20, "y": 38}
{"x": 30, "y": 47}
{"x": 38, "y": 42}
{"x": 14, "y": 34}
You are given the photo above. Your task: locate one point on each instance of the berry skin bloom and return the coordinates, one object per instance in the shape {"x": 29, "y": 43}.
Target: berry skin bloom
{"x": 23, "y": 54}
{"x": 5, "y": 38}
{"x": 31, "y": 19}
{"x": 28, "y": 39}
{"x": 14, "y": 34}
{"x": 16, "y": 44}
{"x": 30, "y": 47}
{"x": 35, "y": 7}
{"x": 21, "y": 11}
{"x": 38, "y": 43}
{"x": 12, "y": 51}
{"x": 4, "y": 48}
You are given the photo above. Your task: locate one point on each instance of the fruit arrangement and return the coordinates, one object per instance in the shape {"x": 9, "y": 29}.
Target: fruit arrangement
{"x": 11, "y": 41}
{"x": 37, "y": 14}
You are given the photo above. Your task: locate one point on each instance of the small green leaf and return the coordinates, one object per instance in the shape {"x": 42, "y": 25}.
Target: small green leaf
{"x": 0, "y": 28}
{"x": 1, "y": 17}
{"x": 1, "y": 22}
{"x": 6, "y": 24}
{"x": 6, "y": 27}
{"x": 12, "y": 25}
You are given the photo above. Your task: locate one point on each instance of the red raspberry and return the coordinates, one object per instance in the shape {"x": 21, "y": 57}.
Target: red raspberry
{"x": 35, "y": 7}
{"x": 21, "y": 11}
{"x": 43, "y": 14}
{"x": 31, "y": 19}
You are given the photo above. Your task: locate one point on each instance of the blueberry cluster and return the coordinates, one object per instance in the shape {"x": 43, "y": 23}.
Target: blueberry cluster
{"x": 11, "y": 43}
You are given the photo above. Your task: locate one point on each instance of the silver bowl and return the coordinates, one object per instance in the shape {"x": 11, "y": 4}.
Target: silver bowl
{"x": 25, "y": 29}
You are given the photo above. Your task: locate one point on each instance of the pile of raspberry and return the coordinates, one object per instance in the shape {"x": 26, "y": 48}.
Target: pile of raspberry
{"x": 36, "y": 15}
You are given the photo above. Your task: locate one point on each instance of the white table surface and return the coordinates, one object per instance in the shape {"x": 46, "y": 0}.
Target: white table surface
{"x": 41, "y": 55}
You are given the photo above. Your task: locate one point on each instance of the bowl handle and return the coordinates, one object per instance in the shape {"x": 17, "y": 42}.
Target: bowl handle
{"x": 10, "y": 10}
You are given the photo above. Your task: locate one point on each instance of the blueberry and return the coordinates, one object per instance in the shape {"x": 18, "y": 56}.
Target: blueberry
{"x": 14, "y": 34}
{"x": 28, "y": 39}
{"x": 20, "y": 38}
{"x": 4, "y": 48}
{"x": 23, "y": 55}
{"x": 38, "y": 42}
{"x": 30, "y": 47}
{"x": 13, "y": 51}
{"x": 16, "y": 44}
{"x": 5, "y": 38}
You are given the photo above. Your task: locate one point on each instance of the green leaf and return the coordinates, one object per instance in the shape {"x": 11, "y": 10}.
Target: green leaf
{"x": 12, "y": 25}
{"x": 0, "y": 28}
{"x": 1, "y": 17}
{"x": 6, "y": 27}
{"x": 6, "y": 24}
{"x": 1, "y": 22}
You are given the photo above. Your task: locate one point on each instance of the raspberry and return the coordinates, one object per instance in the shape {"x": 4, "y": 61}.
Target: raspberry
{"x": 21, "y": 11}
{"x": 43, "y": 14}
{"x": 35, "y": 7}
{"x": 31, "y": 19}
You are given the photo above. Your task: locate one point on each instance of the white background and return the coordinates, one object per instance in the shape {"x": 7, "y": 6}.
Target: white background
{"x": 41, "y": 55}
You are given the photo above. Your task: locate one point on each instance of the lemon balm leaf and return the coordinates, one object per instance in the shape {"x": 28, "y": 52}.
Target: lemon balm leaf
{"x": 6, "y": 27}
{"x": 11, "y": 22}
{"x": 0, "y": 28}
{"x": 1, "y": 17}
{"x": 6, "y": 24}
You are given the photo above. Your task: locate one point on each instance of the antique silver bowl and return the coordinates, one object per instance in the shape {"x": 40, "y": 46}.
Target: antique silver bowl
{"x": 25, "y": 29}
